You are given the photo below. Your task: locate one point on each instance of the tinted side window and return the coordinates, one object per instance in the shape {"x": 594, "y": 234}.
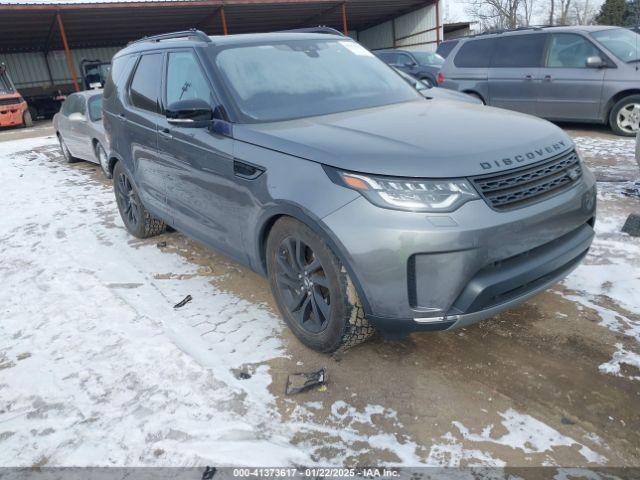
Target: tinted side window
{"x": 569, "y": 50}
{"x": 516, "y": 51}
{"x": 95, "y": 108}
{"x": 145, "y": 86}
{"x": 119, "y": 67}
{"x": 185, "y": 80}
{"x": 475, "y": 54}
{"x": 67, "y": 105}
{"x": 445, "y": 48}
{"x": 81, "y": 105}
{"x": 404, "y": 59}
{"x": 389, "y": 57}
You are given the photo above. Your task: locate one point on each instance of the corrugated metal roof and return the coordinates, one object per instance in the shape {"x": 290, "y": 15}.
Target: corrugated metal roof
{"x": 31, "y": 25}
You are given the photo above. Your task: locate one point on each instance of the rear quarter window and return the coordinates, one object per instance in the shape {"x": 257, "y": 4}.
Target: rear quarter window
{"x": 445, "y": 48}
{"x": 120, "y": 68}
{"x": 475, "y": 54}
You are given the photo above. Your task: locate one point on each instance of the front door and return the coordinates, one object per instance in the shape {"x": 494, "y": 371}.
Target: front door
{"x": 569, "y": 90}
{"x": 203, "y": 196}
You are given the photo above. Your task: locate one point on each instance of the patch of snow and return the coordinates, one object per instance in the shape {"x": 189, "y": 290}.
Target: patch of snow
{"x": 620, "y": 357}
{"x": 101, "y": 370}
{"x": 529, "y": 435}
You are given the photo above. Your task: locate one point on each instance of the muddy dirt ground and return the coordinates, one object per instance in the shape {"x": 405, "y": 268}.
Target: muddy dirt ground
{"x": 485, "y": 394}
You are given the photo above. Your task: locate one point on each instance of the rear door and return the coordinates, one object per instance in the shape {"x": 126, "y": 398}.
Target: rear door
{"x": 141, "y": 117}
{"x": 203, "y": 196}
{"x": 569, "y": 90}
{"x": 515, "y": 72}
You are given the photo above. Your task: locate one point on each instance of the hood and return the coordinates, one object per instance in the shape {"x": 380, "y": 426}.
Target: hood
{"x": 437, "y": 93}
{"x": 435, "y": 139}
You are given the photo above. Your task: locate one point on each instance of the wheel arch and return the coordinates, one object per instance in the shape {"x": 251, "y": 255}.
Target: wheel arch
{"x": 616, "y": 98}
{"x": 113, "y": 160}
{"x": 470, "y": 91}
{"x": 273, "y": 214}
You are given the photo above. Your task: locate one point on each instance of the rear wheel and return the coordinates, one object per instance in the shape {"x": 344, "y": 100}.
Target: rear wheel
{"x": 625, "y": 116}
{"x": 138, "y": 221}
{"x": 103, "y": 160}
{"x": 27, "y": 120}
{"x": 313, "y": 290}
{"x": 65, "y": 151}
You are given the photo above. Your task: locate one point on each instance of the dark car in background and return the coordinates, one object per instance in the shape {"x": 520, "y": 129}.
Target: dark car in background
{"x": 421, "y": 65}
{"x": 577, "y": 74}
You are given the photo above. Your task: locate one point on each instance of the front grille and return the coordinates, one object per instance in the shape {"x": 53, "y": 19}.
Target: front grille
{"x": 10, "y": 101}
{"x": 522, "y": 186}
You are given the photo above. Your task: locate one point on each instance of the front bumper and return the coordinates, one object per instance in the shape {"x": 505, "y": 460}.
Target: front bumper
{"x": 421, "y": 271}
{"x": 11, "y": 115}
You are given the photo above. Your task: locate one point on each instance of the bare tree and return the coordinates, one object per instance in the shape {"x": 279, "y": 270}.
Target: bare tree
{"x": 495, "y": 14}
{"x": 526, "y": 13}
{"x": 583, "y": 12}
{"x": 563, "y": 17}
{"x": 552, "y": 12}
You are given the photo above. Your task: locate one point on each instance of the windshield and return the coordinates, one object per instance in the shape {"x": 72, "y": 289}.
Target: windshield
{"x": 426, "y": 58}
{"x": 95, "y": 108}
{"x": 303, "y": 78}
{"x": 621, "y": 42}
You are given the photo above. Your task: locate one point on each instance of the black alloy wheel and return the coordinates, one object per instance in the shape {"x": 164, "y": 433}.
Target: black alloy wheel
{"x": 303, "y": 285}
{"x": 127, "y": 201}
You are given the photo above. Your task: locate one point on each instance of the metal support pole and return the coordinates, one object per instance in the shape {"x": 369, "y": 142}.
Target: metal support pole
{"x": 437, "y": 23}
{"x": 67, "y": 52}
{"x": 223, "y": 18}
{"x": 344, "y": 19}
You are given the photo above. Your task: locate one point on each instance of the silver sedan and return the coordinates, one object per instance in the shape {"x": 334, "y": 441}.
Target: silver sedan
{"x": 78, "y": 126}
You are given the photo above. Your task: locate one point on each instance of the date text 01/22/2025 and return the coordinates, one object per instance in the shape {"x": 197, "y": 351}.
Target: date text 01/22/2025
{"x": 315, "y": 472}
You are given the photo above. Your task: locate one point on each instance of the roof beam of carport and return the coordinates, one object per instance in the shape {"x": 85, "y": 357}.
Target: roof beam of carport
{"x": 133, "y": 4}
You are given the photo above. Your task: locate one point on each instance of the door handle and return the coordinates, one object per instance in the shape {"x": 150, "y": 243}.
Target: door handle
{"x": 547, "y": 78}
{"x": 528, "y": 77}
{"x": 246, "y": 171}
{"x": 165, "y": 133}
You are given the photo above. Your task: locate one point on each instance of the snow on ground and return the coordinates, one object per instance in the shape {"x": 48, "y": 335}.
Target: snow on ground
{"x": 98, "y": 368}
{"x": 529, "y": 435}
{"x": 610, "y": 275}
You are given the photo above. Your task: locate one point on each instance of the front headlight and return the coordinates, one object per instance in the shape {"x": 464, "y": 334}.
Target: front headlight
{"x": 414, "y": 195}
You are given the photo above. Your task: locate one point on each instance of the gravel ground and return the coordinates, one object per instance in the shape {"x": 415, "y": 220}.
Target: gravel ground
{"x": 97, "y": 368}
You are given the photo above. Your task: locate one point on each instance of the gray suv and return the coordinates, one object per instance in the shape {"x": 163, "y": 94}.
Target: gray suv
{"x": 304, "y": 157}
{"x": 578, "y": 74}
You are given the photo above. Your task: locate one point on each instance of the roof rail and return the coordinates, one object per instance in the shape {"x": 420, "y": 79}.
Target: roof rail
{"x": 191, "y": 34}
{"x": 507, "y": 30}
{"x": 318, "y": 29}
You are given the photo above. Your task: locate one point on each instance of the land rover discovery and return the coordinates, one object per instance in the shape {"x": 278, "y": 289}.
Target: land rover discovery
{"x": 304, "y": 157}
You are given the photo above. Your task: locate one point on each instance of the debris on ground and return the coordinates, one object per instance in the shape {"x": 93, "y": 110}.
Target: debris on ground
{"x": 632, "y": 225}
{"x": 161, "y": 244}
{"x": 183, "y": 302}
{"x": 300, "y": 382}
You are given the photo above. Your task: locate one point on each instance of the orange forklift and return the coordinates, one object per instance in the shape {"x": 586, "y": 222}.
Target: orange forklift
{"x": 13, "y": 108}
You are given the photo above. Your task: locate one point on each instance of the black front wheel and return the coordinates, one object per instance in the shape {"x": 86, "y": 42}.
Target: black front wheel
{"x": 313, "y": 290}
{"x": 138, "y": 221}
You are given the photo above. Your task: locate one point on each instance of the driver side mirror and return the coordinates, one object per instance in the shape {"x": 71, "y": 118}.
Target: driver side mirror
{"x": 595, "y": 62}
{"x": 192, "y": 113}
{"x": 410, "y": 64}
